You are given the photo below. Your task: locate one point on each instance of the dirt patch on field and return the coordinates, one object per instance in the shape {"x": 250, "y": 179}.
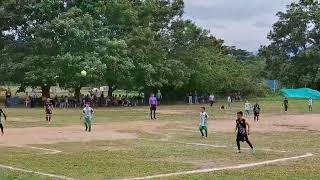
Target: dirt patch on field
{"x": 47, "y": 135}
{"x": 129, "y": 130}
{"x": 280, "y": 123}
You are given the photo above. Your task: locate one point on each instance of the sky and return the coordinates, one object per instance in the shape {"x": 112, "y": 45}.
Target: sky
{"x": 241, "y": 23}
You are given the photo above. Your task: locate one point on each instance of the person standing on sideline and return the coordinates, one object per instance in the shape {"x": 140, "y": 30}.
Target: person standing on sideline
{"x": 203, "y": 123}
{"x": 5, "y": 118}
{"x": 153, "y": 106}
{"x": 247, "y": 108}
{"x": 87, "y": 113}
{"x": 243, "y": 131}
{"x": 190, "y": 98}
{"x": 8, "y": 98}
{"x": 211, "y": 100}
{"x": 310, "y": 103}
{"x": 285, "y": 104}
{"x": 196, "y": 97}
{"x": 229, "y": 100}
{"x": 142, "y": 97}
{"x": 256, "y": 112}
{"x": 159, "y": 97}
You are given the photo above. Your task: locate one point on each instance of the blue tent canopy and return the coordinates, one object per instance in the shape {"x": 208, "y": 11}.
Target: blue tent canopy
{"x": 301, "y": 93}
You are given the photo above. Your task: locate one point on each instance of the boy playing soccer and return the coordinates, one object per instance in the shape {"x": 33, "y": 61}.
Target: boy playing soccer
{"x": 242, "y": 130}
{"x": 87, "y": 113}
{"x": 256, "y": 112}
{"x": 48, "y": 108}
{"x": 285, "y": 104}
{"x": 247, "y": 108}
{"x": 5, "y": 118}
{"x": 203, "y": 124}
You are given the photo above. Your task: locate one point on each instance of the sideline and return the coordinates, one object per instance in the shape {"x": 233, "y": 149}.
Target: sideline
{"x": 36, "y": 172}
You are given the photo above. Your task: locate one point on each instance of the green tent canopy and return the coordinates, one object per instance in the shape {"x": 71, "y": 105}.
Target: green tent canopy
{"x": 301, "y": 93}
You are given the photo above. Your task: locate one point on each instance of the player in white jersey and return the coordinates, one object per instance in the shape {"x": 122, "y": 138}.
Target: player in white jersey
{"x": 87, "y": 113}
{"x": 203, "y": 122}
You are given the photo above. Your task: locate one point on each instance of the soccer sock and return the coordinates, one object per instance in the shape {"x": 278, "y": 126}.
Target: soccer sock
{"x": 89, "y": 126}
{"x": 238, "y": 145}
{"x": 249, "y": 143}
{"x": 201, "y": 132}
{"x": 154, "y": 114}
{"x": 49, "y": 118}
{"x": 206, "y": 131}
{"x": 86, "y": 126}
{"x": 1, "y": 127}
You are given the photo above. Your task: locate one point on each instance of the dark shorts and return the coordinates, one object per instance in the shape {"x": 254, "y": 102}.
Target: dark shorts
{"x": 153, "y": 107}
{"x": 256, "y": 114}
{"x": 48, "y": 112}
{"x": 242, "y": 137}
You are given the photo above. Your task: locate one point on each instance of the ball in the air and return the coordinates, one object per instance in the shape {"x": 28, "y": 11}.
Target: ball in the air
{"x": 83, "y": 73}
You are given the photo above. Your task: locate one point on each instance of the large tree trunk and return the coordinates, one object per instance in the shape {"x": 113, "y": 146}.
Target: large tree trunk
{"x": 45, "y": 91}
{"x": 77, "y": 92}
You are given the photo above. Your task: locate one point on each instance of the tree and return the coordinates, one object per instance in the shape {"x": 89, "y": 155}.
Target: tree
{"x": 292, "y": 55}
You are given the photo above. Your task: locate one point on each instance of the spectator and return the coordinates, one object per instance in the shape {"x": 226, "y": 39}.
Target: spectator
{"x": 8, "y": 98}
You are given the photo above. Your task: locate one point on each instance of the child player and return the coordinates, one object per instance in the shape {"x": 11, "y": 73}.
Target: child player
{"x": 5, "y": 117}
{"x": 48, "y": 108}
{"x": 87, "y": 113}
{"x": 256, "y": 112}
{"x": 242, "y": 131}
{"x": 285, "y": 104}
{"x": 203, "y": 123}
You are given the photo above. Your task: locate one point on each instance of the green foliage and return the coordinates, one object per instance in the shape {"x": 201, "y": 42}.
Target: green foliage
{"x": 125, "y": 44}
{"x": 293, "y": 55}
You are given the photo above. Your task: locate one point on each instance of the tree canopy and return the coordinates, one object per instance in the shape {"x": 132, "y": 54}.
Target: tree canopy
{"x": 293, "y": 56}
{"x": 124, "y": 44}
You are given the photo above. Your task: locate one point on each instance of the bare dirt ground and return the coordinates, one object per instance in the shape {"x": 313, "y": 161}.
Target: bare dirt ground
{"x": 47, "y": 135}
{"x": 274, "y": 123}
{"x": 115, "y": 131}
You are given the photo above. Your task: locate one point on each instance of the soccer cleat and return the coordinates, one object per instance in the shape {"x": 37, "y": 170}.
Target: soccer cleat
{"x": 253, "y": 151}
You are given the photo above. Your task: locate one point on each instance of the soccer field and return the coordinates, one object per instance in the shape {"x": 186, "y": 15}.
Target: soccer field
{"x": 126, "y": 144}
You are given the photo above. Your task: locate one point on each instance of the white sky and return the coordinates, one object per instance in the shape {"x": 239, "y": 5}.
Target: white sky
{"x": 241, "y": 23}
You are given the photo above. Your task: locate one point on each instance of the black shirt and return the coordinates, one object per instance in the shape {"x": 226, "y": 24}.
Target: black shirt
{"x": 256, "y": 108}
{"x": 241, "y": 126}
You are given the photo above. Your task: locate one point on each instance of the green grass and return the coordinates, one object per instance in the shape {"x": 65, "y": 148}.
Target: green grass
{"x": 147, "y": 155}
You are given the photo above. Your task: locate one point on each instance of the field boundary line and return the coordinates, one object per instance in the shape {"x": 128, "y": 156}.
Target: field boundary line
{"x": 36, "y": 172}
{"x": 186, "y": 143}
{"x": 212, "y": 145}
{"x": 49, "y": 151}
{"x": 240, "y": 166}
{"x": 52, "y": 151}
{"x": 266, "y": 149}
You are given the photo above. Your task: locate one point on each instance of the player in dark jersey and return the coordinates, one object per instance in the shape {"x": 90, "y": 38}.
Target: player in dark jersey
{"x": 5, "y": 117}
{"x": 48, "y": 108}
{"x": 243, "y": 130}
{"x": 256, "y": 112}
{"x": 285, "y": 104}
